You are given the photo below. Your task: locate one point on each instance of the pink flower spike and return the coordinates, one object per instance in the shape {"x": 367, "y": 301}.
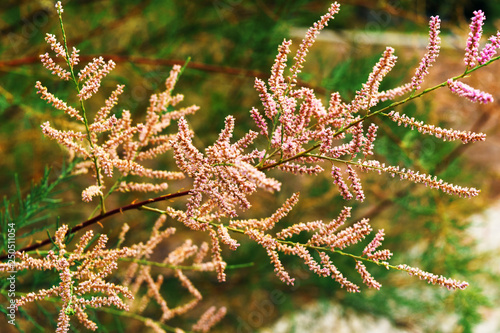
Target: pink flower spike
{"x": 431, "y": 55}
{"x": 309, "y": 40}
{"x": 94, "y": 82}
{"x": 337, "y": 275}
{"x": 450, "y": 284}
{"x": 355, "y": 183}
{"x": 109, "y": 103}
{"x": 374, "y": 244}
{"x": 391, "y": 94}
{"x": 74, "y": 58}
{"x": 443, "y": 133}
{"x": 489, "y": 50}
{"x": 66, "y": 138}
{"x": 277, "y": 81}
{"x": 475, "y": 33}
{"x": 90, "y": 192}
{"x": 172, "y": 78}
{"x": 90, "y": 68}
{"x": 370, "y": 138}
{"x": 338, "y": 180}
{"x": 268, "y": 102}
{"x": 59, "y": 8}
{"x": 209, "y": 319}
{"x": 474, "y": 95}
{"x": 259, "y": 121}
{"x": 367, "y": 278}
{"x": 226, "y": 238}
{"x": 368, "y": 95}
{"x": 278, "y": 267}
{"x": 52, "y": 66}
{"x": 56, "y": 46}
{"x": 56, "y": 102}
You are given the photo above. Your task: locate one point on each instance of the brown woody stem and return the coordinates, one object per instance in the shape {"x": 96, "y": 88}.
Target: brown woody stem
{"x": 101, "y": 217}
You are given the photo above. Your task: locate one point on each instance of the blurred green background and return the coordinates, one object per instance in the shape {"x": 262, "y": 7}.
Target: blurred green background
{"x": 230, "y": 42}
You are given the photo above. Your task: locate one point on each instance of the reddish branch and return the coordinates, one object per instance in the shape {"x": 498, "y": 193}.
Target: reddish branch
{"x": 161, "y": 62}
{"x": 147, "y": 61}
{"x": 101, "y": 217}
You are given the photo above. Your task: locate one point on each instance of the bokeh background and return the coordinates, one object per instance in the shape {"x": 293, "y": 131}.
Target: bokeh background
{"x": 229, "y": 43}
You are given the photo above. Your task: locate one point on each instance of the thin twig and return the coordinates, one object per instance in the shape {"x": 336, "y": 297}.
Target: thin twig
{"x": 101, "y": 217}
{"x": 163, "y": 62}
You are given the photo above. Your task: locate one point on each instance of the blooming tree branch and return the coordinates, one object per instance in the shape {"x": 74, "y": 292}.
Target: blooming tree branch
{"x": 301, "y": 136}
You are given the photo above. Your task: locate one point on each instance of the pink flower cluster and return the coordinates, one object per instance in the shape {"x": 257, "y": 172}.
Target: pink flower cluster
{"x": 489, "y": 50}
{"x": 322, "y": 237}
{"x": 438, "y": 132}
{"x": 475, "y": 33}
{"x": 139, "y": 273}
{"x": 86, "y": 277}
{"x": 296, "y": 124}
{"x": 125, "y": 144}
{"x": 417, "y": 177}
{"x": 225, "y": 175}
{"x": 307, "y": 42}
{"x": 450, "y": 284}
{"x": 368, "y": 96}
{"x": 92, "y": 76}
{"x": 474, "y": 95}
{"x": 430, "y": 56}
{"x": 298, "y": 119}
{"x": 300, "y": 123}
